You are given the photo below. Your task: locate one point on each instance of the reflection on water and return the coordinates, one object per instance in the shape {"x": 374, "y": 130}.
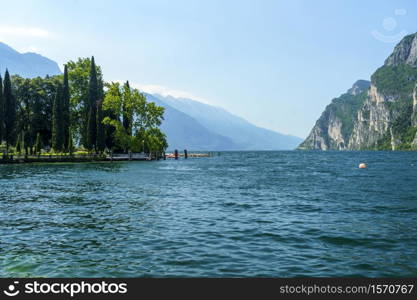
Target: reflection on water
{"x": 238, "y": 214}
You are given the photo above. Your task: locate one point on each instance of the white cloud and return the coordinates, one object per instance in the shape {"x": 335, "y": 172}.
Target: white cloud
{"x": 22, "y": 31}
{"x": 165, "y": 91}
{"x": 30, "y": 48}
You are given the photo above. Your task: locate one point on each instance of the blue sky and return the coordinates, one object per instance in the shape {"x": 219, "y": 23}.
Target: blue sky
{"x": 275, "y": 63}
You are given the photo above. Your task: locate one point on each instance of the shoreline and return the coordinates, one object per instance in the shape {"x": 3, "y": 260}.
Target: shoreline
{"x": 91, "y": 158}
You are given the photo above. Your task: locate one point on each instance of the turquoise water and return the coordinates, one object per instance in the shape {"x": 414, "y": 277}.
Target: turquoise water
{"x": 238, "y": 214}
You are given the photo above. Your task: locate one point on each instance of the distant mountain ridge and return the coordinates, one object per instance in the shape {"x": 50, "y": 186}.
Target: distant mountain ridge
{"x": 26, "y": 64}
{"x": 184, "y": 132}
{"x": 242, "y": 134}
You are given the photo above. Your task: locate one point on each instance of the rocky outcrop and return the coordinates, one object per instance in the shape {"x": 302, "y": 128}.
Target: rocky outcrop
{"x": 381, "y": 115}
{"x": 404, "y": 53}
{"x": 332, "y": 130}
{"x": 372, "y": 123}
{"x": 359, "y": 87}
{"x": 316, "y": 140}
{"x": 327, "y": 134}
{"x": 414, "y": 116}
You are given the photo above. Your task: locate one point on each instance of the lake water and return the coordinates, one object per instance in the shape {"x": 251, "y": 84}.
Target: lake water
{"x": 238, "y": 214}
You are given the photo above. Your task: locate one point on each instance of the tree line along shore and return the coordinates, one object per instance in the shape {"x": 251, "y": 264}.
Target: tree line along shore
{"x": 77, "y": 113}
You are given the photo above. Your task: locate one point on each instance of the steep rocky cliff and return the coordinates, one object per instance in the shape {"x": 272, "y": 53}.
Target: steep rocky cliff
{"x": 334, "y": 127}
{"x": 376, "y": 115}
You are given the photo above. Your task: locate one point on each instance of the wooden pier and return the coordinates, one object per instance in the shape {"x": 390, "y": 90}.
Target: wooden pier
{"x": 186, "y": 154}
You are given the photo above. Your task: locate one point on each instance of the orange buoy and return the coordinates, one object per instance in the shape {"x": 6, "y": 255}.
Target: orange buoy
{"x": 362, "y": 166}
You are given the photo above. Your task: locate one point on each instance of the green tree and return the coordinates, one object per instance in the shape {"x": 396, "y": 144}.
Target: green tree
{"x": 19, "y": 144}
{"x": 66, "y": 108}
{"x": 101, "y": 138}
{"x": 111, "y": 109}
{"x": 144, "y": 115}
{"x": 22, "y": 89}
{"x": 91, "y": 130}
{"x": 43, "y": 93}
{"x": 70, "y": 142}
{"x": 93, "y": 98}
{"x": 9, "y": 112}
{"x": 38, "y": 144}
{"x": 152, "y": 141}
{"x": 158, "y": 142}
{"x": 127, "y": 108}
{"x": 58, "y": 138}
{"x": 35, "y": 98}
{"x": 1, "y": 110}
{"x": 79, "y": 83}
{"x": 101, "y": 131}
{"x": 114, "y": 104}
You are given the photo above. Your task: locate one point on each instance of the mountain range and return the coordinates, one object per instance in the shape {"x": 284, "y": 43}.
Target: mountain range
{"x": 26, "y": 64}
{"x": 188, "y": 124}
{"x": 199, "y": 126}
{"x": 380, "y": 114}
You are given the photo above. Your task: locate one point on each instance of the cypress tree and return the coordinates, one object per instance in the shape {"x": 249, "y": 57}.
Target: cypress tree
{"x": 70, "y": 142}
{"x": 91, "y": 130}
{"x": 58, "y": 122}
{"x": 1, "y": 110}
{"x": 101, "y": 138}
{"x": 93, "y": 97}
{"x": 9, "y": 112}
{"x": 22, "y": 142}
{"x": 38, "y": 145}
{"x": 66, "y": 108}
{"x": 127, "y": 120}
{"x": 101, "y": 131}
{"x": 19, "y": 143}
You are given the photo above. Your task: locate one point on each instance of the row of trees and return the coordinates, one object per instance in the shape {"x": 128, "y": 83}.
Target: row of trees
{"x": 77, "y": 110}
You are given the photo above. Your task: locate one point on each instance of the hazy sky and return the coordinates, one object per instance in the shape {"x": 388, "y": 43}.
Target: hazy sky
{"x": 275, "y": 63}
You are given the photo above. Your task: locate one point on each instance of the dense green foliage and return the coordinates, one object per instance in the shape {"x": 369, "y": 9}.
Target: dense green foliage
{"x": 79, "y": 76}
{"x": 135, "y": 121}
{"x": 402, "y": 128}
{"x": 395, "y": 81}
{"x": 398, "y": 82}
{"x": 100, "y": 137}
{"x": 93, "y": 94}
{"x": 77, "y": 110}
{"x": 66, "y": 109}
{"x": 35, "y": 98}
{"x": 57, "y": 122}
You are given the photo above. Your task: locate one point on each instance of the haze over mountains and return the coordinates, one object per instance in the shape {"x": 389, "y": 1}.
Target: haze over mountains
{"x": 189, "y": 124}
{"x": 228, "y": 132}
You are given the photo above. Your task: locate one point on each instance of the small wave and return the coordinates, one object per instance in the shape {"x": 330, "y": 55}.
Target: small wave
{"x": 239, "y": 205}
{"x": 339, "y": 240}
{"x": 237, "y": 169}
{"x": 179, "y": 168}
{"x": 360, "y": 242}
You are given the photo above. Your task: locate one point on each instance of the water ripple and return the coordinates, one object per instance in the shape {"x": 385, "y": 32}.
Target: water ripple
{"x": 261, "y": 214}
